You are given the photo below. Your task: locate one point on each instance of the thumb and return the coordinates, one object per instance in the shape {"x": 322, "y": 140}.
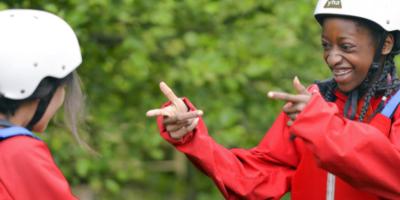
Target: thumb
{"x": 298, "y": 86}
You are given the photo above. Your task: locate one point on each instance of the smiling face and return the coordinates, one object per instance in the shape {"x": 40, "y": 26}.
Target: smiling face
{"x": 348, "y": 50}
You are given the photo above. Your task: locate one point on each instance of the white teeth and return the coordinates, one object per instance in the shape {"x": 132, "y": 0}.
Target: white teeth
{"x": 341, "y": 72}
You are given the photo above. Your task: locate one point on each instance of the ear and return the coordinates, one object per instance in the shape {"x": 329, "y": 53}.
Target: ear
{"x": 388, "y": 46}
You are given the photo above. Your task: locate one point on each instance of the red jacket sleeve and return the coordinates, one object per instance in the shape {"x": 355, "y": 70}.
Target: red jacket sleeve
{"x": 29, "y": 172}
{"x": 357, "y": 152}
{"x": 263, "y": 172}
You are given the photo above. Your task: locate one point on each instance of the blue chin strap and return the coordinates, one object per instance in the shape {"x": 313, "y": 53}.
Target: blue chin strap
{"x": 11, "y": 130}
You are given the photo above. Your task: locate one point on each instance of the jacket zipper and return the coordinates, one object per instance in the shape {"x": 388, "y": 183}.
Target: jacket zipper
{"x": 330, "y": 187}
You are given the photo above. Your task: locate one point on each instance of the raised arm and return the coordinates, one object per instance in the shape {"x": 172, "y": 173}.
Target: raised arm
{"x": 263, "y": 172}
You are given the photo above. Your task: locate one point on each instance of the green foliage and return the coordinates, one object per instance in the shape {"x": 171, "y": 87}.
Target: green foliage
{"x": 224, "y": 55}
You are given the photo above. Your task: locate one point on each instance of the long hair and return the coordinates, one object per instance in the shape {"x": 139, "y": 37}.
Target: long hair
{"x": 74, "y": 106}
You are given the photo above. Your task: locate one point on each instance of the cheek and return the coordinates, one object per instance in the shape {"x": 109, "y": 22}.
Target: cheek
{"x": 361, "y": 63}
{"x": 60, "y": 98}
{"x": 365, "y": 58}
{"x": 364, "y": 65}
{"x": 54, "y": 105}
{"x": 325, "y": 56}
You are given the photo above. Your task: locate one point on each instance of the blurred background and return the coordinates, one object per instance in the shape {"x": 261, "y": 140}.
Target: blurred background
{"x": 224, "y": 55}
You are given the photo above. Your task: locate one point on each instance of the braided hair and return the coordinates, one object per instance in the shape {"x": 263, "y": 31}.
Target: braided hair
{"x": 380, "y": 80}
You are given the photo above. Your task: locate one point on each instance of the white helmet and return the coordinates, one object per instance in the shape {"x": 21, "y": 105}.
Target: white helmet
{"x": 383, "y": 12}
{"x": 34, "y": 45}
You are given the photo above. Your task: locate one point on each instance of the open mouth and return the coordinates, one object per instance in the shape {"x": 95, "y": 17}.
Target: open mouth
{"x": 342, "y": 75}
{"x": 341, "y": 72}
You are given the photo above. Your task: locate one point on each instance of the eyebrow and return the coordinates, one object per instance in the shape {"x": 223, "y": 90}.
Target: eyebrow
{"x": 348, "y": 36}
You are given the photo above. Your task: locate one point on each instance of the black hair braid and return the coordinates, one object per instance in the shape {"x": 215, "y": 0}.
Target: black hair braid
{"x": 371, "y": 93}
{"x": 382, "y": 86}
{"x": 372, "y": 89}
{"x": 395, "y": 82}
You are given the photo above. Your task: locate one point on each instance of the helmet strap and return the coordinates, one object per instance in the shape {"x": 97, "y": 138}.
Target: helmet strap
{"x": 42, "y": 107}
{"x": 350, "y": 108}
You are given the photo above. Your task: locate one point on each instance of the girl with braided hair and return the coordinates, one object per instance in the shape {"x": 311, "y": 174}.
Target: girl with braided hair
{"x": 337, "y": 139}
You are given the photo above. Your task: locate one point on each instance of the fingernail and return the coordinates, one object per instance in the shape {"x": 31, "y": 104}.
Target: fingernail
{"x": 270, "y": 94}
{"x": 200, "y": 112}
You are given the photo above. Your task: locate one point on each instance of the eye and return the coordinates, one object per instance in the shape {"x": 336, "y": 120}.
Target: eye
{"x": 325, "y": 45}
{"x": 347, "y": 46}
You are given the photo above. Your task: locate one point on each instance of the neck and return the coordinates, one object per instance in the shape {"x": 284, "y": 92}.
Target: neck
{"x": 22, "y": 115}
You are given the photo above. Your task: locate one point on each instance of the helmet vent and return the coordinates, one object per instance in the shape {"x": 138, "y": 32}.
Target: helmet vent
{"x": 63, "y": 67}
{"x": 387, "y": 21}
{"x": 35, "y": 64}
{"x": 22, "y": 91}
{"x": 12, "y": 15}
{"x": 36, "y": 17}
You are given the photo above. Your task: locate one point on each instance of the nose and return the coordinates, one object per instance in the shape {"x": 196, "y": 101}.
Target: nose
{"x": 333, "y": 58}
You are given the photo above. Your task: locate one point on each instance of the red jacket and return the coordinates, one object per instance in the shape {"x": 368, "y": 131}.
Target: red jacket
{"x": 358, "y": 153}
{"x": 28, "y": 171}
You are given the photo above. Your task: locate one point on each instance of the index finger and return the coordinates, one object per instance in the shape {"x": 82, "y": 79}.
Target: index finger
{"x": 287, "y": 97}
{"x": 158, "y": 112}
{"x": 168, "y": 92}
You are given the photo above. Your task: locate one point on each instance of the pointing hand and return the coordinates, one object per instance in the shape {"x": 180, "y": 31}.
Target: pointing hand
{"x": 295, "y": 102}
{"x": 178, "y": 120}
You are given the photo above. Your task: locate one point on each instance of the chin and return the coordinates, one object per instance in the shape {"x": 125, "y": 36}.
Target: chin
{"x": 347, "y": 87}
{"x": 39, "y": 128}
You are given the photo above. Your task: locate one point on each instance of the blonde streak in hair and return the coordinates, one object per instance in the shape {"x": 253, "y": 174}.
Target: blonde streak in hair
{"x": 74, "y": 110}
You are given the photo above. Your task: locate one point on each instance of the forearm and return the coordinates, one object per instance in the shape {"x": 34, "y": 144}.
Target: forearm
{"x": 238, "y": 173}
